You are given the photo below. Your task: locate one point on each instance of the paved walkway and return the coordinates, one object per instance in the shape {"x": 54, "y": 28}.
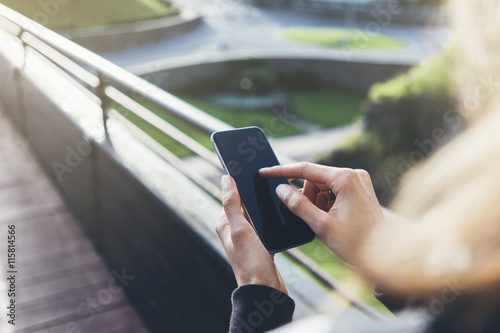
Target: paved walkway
{"x": 312, "y": 145}
{"x": 62, "y": 285}
{"x": 232, "y": 26}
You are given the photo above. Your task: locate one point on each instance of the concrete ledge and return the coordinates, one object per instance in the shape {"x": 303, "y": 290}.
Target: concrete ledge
{"x": 128, "y": 35}
{"x": 363, "y": 12}
{"x": 354, "y": 70}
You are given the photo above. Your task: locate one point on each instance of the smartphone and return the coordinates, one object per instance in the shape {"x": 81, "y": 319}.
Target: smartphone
{"x": 242, "y": 153}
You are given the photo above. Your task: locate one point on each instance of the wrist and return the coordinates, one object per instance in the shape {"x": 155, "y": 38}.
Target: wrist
{"x": 272, "y": 282}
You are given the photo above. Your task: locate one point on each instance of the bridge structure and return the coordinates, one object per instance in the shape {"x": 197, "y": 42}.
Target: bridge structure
{"x": 115, "y": 233}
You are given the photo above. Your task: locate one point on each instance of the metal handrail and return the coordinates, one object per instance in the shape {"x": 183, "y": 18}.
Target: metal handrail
{"x": 113, "y": 73}
{"x": 107, "y": 81}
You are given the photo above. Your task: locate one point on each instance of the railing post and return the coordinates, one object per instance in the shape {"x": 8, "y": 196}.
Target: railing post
{"x": 20, "y": 37}
{"x": 18, "y": 76}
{"x": 105, "y": 101}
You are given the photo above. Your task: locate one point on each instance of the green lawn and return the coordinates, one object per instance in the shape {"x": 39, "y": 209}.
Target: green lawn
{"x": 236, "y": 119}
{"x": 86, "y": 13}
{"x": 159, "y": 136}
{"x": 269, "y": 122}
{"x": 351, "y": 39}
{"x": 327, "y": 108}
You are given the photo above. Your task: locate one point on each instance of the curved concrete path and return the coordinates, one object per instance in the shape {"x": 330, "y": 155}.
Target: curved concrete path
{"x": 231, "y": 26}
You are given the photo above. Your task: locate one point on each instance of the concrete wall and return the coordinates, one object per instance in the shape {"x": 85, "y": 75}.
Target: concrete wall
{"x": 204, "y": 72}
{"x": 387, "y": 11}
{"x": 55, "y": 138}
{"x": 11, "y": 79}
{"x": 123, "y": 36}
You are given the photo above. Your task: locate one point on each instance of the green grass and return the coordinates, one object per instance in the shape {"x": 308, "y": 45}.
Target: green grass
{"x": 333, "y": 265}
{"x": 327, "y": 108}
{"x": 324, "y": 108}
{"x": 159, "y": 136}
{"x": 87, "y": 13}
{"x": 236, "y": 119}
{"x": 350, "y": 39}
{"x": 268, "y": 121}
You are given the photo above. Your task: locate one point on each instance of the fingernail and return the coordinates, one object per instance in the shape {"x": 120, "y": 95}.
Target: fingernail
{"x": 226, "y": 182}
{"x": 283, "y": 191}
{"x": 264, "y": 169}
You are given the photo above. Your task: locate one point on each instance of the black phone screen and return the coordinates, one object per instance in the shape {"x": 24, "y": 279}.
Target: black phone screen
{"x": 243, "y": 152}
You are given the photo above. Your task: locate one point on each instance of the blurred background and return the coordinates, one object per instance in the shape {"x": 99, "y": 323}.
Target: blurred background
{"x": 117, "y": 129}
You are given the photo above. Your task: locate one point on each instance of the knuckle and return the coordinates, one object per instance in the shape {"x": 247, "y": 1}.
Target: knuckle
{"x": 239, "y": 233}
{"x": 348, "y": 175}
{"x": 322, "y": 225}
{"x": 304, "y": 165}
{"x": 364, "y": 176}
{"x": 219, "y": 227}
{"x": 362, "y": 173}
{"x": 303, "y": 168}
{"x": 295, "y": 203}
{"x": 228, "y": 200}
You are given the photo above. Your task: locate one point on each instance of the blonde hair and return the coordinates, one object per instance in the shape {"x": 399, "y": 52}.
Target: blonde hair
{"x": 454, "y": 196}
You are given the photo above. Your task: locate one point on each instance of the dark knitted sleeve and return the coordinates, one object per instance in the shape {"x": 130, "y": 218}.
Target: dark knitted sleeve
{"x": 259, "y": 308}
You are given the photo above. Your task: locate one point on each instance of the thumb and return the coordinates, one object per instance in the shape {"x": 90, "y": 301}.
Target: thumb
{"x": 231, "y": 202}
{"x": 301, "y": 206}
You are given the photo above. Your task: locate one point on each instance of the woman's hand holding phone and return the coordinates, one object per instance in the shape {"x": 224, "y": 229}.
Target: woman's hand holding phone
{"x": 251, "y": 262}
{"x": 343, "y": 223}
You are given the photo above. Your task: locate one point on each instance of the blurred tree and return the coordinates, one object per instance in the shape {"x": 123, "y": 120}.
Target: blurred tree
{"x": 404, "y": 120}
